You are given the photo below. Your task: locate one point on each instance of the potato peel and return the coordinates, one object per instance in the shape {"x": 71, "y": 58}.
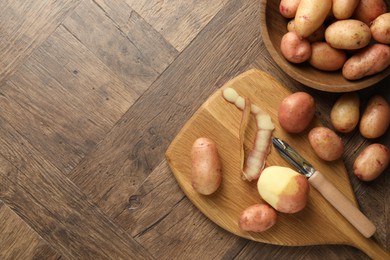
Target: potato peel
{"x": 253, "y": 164}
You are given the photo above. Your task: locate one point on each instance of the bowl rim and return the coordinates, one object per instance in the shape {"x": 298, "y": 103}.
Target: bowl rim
{"x": 288, "y": 68}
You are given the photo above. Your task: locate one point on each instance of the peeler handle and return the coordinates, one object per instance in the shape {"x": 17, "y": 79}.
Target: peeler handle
{"x": 342, "y": 204}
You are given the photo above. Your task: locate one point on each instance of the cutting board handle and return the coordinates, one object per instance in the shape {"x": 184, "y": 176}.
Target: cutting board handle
{"x": 342, "y": 204}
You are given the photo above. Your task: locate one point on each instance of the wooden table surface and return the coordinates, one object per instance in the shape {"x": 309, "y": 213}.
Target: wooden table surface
{"x": 92, "y": 92}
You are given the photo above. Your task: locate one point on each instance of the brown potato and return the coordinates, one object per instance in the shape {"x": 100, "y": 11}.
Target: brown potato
{"x": 371, "y": 162}
{"x": 324, "y": 57}
{"x": 295, "y": 49}
{"x": 380, "y": 28}
{"x": 326, "y": 143}
{"x": 258, "y": 218}
{"x": 376, "y": 118}
{"x": 345, "y": 112}
{"x": 296, "y": 112}
{"x": 310, "y": 15}
{"x": 368, "y": 61}
{"x": 344, "y": 9}
{"x": 348, "y": 34}
{"x": 288, "y": 8}
{"x": 368, "y": 10}
{"x": 206, "y": 169}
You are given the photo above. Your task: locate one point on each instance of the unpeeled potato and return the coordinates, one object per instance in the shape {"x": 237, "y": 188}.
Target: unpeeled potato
{"x": 371, "y": 162}
{"x": 288, "y": 8}
{"x": 345, "y": 112}
{"x": 310, "y": 15}
{"x": 348, "y": 34}
{"x": 258, "y": 218}
{"x": 368, "y": 61}
{"x": 380, "y": 28}
{"x": 344, "y": 9}
{"x": 368, "y": 10}
{"x": 325, "y": 57}
{"x": 326, "y": 143}
{"x": 206, "y": 168}
{"x": 295, "y": 49}
{"x": 296, "y": 112}
{"x": 376, "y": 118}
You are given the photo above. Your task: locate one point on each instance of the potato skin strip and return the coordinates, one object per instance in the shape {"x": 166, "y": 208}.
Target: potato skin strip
{"x": 257, "y": 156}
{"x": 243, "y": 127}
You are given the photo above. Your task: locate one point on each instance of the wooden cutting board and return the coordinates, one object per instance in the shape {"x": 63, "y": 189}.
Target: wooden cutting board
{"x": 318, "y": 223}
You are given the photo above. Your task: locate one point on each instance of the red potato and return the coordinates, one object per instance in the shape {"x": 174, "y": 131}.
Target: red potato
{"x": 345, "y": 112}
{"x": 371, "y": 162}
{"x": 326, "y": 143}
{"x": 258, "y": 218}
{"x": 325, "y": 57}
{"x": 296, "y": 112}
{"x": 310, "y": 15}
{"x": 288, "y": 8}
{"x": 376, "y": 118}
{"x": 367, "y": 10}
{"x": 295, "y": 49}
{"x": 344, "y": 9}
{"x": 206, "y": 169}
{"x": 380, "y": 28}
{"x": 284, "y": 189}
{"x": 368, "y": 61}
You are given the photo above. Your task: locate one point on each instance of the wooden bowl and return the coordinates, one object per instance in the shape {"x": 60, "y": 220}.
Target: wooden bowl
{"x": 274, "y": 26}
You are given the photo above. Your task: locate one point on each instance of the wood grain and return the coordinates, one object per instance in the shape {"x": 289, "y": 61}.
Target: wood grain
{"x": 32, "y": 22}
{"x": 179, "y": 22}
{"x": 19, "y": 241}
{"x": 91, "y": 95}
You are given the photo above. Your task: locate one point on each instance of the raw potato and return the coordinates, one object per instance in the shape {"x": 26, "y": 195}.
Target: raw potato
{"x": 324, "y": 57}
{"x": 206, "y": 170}
{"x": 368, "y": 10}
{"x": 258, "y": 218}
{"x": 344, "y": 9}
{"x": 348, "y": 34}
{"x": 380, "y": 28}
{"x": 376, "y": 118}
{"x": 288, "y": 8}
{"x": 371, "y": 60}
{"x": 310, "y": 15}
{"x": 318, "y": 35}
{"x": 345, "y": 112}
{"x": 294, "y": 49}
{"x": 296, "y": 112}
{"x": 326, "y": 143}
{"x": 284, "y": 189}
{"x": 371, "y": 162}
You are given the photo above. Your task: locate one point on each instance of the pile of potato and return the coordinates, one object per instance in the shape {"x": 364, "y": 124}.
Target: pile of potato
{"x": 298, "y": 109}
{"x": 351, "y": 35}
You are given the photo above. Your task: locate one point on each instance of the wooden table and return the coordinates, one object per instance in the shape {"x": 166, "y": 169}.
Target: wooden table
{"x": 91, "y": 95}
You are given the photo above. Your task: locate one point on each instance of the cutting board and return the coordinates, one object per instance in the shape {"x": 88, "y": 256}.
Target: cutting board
{"x": 318, "y": 223}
